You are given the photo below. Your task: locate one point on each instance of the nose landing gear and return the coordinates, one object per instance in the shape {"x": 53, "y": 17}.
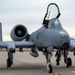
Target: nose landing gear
{"x": 49, "y": 66}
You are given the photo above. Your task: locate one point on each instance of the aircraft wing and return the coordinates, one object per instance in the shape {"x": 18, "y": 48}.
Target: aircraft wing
{"x": 26, "y": 44}
{"x": 3, "y": 44}
{"x": 12, "y": 45}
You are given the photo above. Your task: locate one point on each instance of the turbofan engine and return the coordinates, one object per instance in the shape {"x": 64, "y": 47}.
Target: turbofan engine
{"x": 19, "y": 32}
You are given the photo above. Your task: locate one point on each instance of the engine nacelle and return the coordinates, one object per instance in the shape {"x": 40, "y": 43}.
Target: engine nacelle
{"x": 19, "y": 32}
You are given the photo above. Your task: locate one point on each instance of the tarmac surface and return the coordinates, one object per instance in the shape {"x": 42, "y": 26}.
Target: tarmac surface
{"x": 25, "y": 64}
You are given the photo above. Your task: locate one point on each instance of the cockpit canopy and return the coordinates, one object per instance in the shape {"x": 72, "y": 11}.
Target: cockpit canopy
{"x": 54, "y": 24}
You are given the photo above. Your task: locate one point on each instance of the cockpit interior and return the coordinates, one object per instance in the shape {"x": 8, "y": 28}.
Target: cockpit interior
{"x": 54, "y": 24}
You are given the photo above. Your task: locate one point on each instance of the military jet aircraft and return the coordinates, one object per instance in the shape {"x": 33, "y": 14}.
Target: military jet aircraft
{"x": 47, "y": 38}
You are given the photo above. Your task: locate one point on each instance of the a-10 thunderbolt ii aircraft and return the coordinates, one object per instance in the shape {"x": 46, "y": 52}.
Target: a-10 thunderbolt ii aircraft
{"x": 49, "y": 37}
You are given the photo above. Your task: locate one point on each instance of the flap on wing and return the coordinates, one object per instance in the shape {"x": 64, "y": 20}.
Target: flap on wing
{"x": 26, "y": 44}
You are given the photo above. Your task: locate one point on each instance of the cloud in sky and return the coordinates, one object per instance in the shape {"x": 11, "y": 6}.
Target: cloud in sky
{"x": 31, "y": 13}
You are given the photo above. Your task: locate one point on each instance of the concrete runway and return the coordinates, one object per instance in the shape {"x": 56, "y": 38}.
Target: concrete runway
{"x": 24, "y": 64}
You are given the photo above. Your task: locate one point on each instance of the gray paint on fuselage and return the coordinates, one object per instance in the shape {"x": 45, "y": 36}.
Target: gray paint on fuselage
{"x": 49, "y": 37}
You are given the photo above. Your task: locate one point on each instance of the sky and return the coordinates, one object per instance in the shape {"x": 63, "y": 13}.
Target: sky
{"x": 31, "y": 13}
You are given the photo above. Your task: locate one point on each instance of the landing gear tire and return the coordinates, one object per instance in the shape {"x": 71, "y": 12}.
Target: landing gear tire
{"x": 58, "y": 63}
{"x": 69, "y": 62}
{"x": 74, "y": 53}
{"x": 50, "y": 68}
{"x": 9, "y": 63}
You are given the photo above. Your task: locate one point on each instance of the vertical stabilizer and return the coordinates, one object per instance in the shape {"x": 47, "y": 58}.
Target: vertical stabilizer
{"x": 0, "y": 31}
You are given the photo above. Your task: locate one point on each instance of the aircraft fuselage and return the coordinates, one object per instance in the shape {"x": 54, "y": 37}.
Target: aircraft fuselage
{"x": 45, "y": 37}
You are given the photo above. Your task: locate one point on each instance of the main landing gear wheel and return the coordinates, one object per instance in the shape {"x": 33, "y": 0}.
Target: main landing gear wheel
{"x": 9, "y": 63}
{"x": 9, "y": 60}
{"x": 58, "y": 63}
{"x": 69, "y": 62}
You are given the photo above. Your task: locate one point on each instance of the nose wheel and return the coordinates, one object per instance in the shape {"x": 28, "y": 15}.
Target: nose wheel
{"x": 49, "y": 66}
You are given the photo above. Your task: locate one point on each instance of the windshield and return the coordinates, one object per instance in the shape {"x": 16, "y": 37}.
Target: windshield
{"x": 54, "y": 23}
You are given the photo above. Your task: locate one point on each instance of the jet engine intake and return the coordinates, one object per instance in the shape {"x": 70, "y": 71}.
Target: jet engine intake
{"x": 19, "y": 32}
